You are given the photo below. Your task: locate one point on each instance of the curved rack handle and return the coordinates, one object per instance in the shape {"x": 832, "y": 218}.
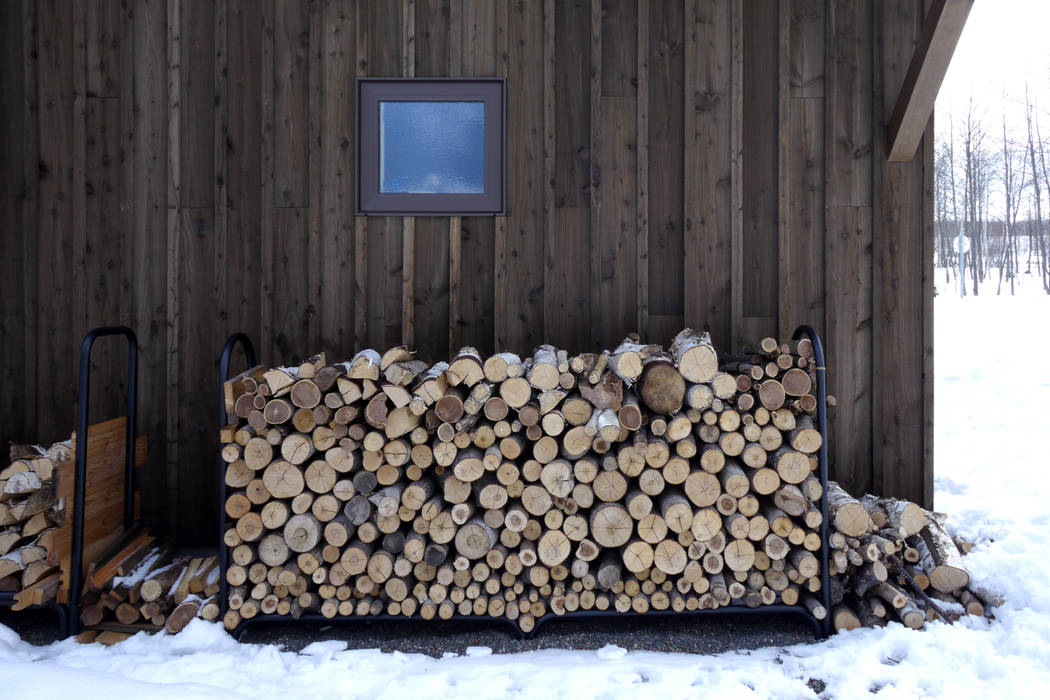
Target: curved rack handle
{"x": 232, "y": 342}
{"x": 80, "y": 478}
{"x": 822, "y": 424}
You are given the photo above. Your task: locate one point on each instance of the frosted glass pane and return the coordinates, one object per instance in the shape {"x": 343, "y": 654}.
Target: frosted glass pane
{"x": 432, "y": 147}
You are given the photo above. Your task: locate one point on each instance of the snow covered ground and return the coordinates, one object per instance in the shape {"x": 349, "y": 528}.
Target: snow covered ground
{"x": 992, "y": 408}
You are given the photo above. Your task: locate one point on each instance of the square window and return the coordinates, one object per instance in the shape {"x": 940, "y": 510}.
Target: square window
{"x": 430, "y": 146}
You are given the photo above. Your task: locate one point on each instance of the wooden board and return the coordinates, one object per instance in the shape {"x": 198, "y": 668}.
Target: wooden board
{"x": 903, "y": 286}
{"x": 666, "y": 265}
{"x": 148, "y": 257}
{"x": 103, "y": 494}
{"x": 848, "y": 255}
{"x": 707, "y": 120}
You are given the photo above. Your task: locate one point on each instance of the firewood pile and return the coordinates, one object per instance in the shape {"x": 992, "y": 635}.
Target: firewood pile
{"x": 892, "y": 560}
{"x": 30, "y": 515}
{"x": 143, "y": 586}
{"x": 638, "y": 478}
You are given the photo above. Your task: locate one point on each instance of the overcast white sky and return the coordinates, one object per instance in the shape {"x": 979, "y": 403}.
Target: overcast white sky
{"x": 1005, "y": 44}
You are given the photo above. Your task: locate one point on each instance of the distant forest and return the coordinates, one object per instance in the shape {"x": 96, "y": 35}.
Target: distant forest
{"x": 992, "y": 184}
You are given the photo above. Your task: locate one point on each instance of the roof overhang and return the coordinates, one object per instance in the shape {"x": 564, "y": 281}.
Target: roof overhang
{"x": 929, "y": 63}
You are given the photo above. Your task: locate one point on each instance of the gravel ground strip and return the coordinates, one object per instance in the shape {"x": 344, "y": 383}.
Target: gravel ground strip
{"x": 689, "y": 634}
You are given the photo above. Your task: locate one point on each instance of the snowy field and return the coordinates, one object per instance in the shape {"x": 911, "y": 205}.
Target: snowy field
{"x": 992, "y": 411}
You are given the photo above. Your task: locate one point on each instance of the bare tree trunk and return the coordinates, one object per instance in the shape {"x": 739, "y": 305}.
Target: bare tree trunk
{"x": 1044, "y": 275}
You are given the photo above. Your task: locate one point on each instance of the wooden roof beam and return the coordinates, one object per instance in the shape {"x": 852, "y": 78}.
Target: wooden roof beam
{"x": 940, "y": 34}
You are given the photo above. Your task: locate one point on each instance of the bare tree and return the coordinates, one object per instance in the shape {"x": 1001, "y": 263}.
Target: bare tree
{"x": 979, "y": 167}
{"x": 1034, "y": 144}
{"x": 945, "y": 227}
{"x": 1013, "y": 188}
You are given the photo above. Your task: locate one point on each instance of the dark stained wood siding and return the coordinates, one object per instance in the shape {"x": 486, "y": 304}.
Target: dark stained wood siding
{"x": 187, "y": 167}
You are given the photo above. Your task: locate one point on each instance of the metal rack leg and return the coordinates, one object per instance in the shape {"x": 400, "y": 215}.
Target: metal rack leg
{"x": 80, "y": 479}
{"x": 822, "y": 425}
{"x": 232, "y": 342}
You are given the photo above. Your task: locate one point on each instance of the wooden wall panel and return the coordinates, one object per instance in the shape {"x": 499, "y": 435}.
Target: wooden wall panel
{"x": 522, "y": 288}
{"x": 197, "y": 103}
{"x": 243, "y": 167}
{"x": 337, "y": 145}
{"x": 569, "y": 292}
{"x": 199, "y": 285}
{"x": 148, "y": 262}
{"x": 758, "y": 286}
{"x": 59, "y": 259}
{"x": 107, "y": 301}
{"x": 802, "y": 152}
{"x": 103, "y": 40}
{"x": 379, "y": 30}
{"x": 294, "y": 273}
{"x": 190, "y": 171}
{"x": 666, "y": 263}
{"x": 708, "y": 169}
{"x": 291, "y": 76}
{"x": 472, "y": 318}
{"x": 903, "y": 298}
{"x": 13, "y": 278}
{"x": 848, "y": 235}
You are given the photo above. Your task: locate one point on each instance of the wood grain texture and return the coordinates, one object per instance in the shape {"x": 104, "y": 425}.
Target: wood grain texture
{"x": 666, "y": 267}
{"x": 802, "y": 154}
{"x": 243, "y": 171}
{"x": 198, "y": 286}
{"x": 900, "y": 287}
{"x": 13, "y": 274}
{"x": 103, "y": 46}
{"x": 291, "y": 83}
{"x": 597, "y": 192}
{"x": 58, "y": 257}
{"x": 294, "y": 303}
{"x": 30, "y": 210}
{"x": 197, "y": 103}
{"x": 641, "y": 177}
{"x": 708, "y": 170}
{"x": 107, "y": 300}
{"x": 759, "y": 283}
{"x": 525, "y": 222}
{"x": 848, "y": 237}
{"x": 172, "y": 306}
{"x": 337, "y": 143}
{"x": 549, "y": 153}
{"x": 568, "y": 287}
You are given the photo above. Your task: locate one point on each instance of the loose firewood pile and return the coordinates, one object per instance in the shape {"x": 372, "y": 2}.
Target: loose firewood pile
{"x": 143, "y": 586}
{"x": 638, "y": 478}
{"x": 892, "y": 560}
{"x": 30, "y": 514}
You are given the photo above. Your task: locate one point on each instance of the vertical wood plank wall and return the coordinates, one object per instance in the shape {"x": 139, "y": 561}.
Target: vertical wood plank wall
{"x": 186, "y": 167}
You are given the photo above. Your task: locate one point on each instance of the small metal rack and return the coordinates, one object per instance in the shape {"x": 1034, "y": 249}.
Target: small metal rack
{"x": 68, "y": 617}
{"x": 822, "y": 628}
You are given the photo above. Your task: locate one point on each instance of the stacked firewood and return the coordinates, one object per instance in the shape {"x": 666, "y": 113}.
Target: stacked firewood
{"x": 638, "y": 478}
{"x": 30, "y": 514}
{"x": 143, "y": 586}
{"x": 893, "y": 560}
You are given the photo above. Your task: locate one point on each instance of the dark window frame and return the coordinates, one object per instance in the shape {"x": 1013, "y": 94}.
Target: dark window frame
{"x": 370, "y": 201}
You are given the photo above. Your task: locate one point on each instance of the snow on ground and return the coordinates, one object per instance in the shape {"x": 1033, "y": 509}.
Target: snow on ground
{"x": 992, "y": 406}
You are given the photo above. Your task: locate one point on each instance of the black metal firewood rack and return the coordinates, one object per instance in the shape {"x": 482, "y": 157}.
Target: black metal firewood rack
{"x": 68, "y": 612}
{"x": 822, "y": 628}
